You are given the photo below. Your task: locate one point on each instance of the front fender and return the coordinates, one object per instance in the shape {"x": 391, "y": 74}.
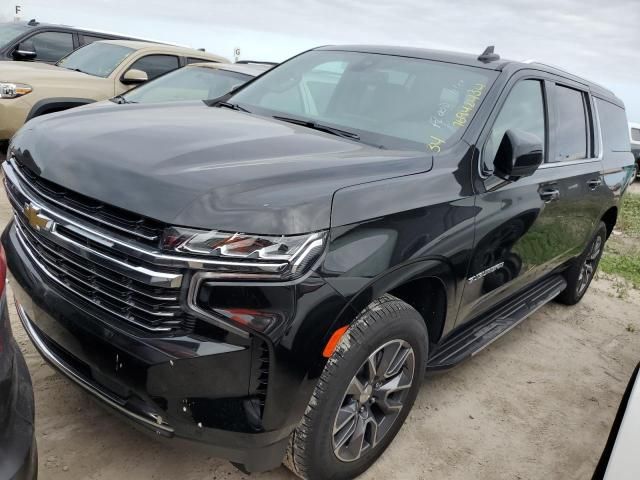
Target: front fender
{"x": 361, "y": 291}
{"x": 47, "y": 105}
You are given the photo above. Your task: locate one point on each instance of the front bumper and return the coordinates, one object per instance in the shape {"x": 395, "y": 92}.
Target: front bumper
{"x": 187, "y": 386}
{"x": 18, "y": 454}
{"x": 13, "y": 114}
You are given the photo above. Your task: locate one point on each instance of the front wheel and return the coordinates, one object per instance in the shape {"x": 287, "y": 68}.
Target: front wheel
{"x": 364, "y": 394}
{"x": 580, "y": 274}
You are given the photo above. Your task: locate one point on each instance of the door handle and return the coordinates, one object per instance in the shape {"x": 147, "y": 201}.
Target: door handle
{"x": 595, "y": 183}
{"x": 549, "y": 195}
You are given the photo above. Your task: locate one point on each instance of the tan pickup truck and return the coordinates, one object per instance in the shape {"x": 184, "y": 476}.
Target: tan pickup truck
{"x": 98, "y": 71}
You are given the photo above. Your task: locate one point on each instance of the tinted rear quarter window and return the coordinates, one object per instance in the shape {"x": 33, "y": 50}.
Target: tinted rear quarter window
{"x": 52, "y": 46}
{"x": 571, "y": 130}
{"x": 635, "y": 134}
{"x": 87, "y": 39}
{"x": 614, "y": 126}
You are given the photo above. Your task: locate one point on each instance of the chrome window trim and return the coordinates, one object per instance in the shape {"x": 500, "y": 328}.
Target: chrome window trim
{"x": 568, "y": 163}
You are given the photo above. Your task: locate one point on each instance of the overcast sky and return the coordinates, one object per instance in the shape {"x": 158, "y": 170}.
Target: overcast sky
{"x": 596, "y": 39}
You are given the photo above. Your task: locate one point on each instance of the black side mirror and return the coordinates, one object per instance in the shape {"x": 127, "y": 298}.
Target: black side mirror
{"x": 519, "y": 155}
{"x": 26, "y": 51}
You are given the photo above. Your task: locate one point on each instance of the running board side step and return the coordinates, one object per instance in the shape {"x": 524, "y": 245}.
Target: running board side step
{"x": 470, "y": 341}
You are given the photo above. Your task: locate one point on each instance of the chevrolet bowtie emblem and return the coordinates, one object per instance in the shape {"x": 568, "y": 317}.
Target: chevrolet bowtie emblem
{"x": 35, "y": 219}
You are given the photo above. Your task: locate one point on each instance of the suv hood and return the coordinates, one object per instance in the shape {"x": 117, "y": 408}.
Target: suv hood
{"x": 193, "y": 165}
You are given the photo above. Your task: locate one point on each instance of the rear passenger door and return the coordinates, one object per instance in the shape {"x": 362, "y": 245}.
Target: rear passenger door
{"x": 574, "y": 164}
{"x": 528, "y": 228}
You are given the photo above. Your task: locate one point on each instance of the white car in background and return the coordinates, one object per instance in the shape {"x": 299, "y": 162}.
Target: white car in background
{"x": 620, "y": 459}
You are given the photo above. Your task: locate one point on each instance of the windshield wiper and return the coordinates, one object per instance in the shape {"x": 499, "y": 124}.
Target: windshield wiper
{"x": 320, "y": 127}
{"x": 119, "y": 99}
{"x": 77, "y": 70}
{"x": 233, "y": 106}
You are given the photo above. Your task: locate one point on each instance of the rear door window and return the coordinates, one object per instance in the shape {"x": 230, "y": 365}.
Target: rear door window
{"x": 635, "y": 134}
{"x": 52, "y": 46}
{"x": 156, "y": 65}
{"x": 571, "y": 125}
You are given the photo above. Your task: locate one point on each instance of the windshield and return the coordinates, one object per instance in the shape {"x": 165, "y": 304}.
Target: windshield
{"x": 9, "y": 31}
{"x": 389, "y": 101}
{"x": 99, "y": 59}
{"x": 188, "y": 83}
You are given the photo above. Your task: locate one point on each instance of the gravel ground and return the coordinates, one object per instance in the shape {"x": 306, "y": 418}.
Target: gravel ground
{"x": 537, "y": 404}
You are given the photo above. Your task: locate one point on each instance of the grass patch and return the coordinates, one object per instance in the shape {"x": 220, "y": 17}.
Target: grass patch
{"x": 622, "y": 254}
{"x": 629, "y": 218}
{"x": 627, "y": 264}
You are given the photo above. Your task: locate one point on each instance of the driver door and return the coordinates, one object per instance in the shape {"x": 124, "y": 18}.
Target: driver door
{"x": 519, "y": 232}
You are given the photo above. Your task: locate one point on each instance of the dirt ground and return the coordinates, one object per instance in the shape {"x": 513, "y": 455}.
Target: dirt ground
{"x": 537, "y": 404}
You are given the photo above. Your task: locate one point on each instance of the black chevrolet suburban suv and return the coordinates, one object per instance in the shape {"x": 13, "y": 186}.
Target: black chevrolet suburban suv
{"x": 45, "y": 42}
{"x": 272, "y": 273}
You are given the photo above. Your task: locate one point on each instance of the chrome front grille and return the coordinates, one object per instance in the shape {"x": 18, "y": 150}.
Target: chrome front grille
{"x": 90, "y": 264}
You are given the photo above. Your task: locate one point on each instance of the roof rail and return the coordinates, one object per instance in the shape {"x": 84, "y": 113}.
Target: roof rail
{"x": 550, "y": 65}
{"x": 560, "y": 69}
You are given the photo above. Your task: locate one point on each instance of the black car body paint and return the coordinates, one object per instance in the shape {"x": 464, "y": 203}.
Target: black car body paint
{"x": 18, "y": 452}
{"x": 426, "y": 225}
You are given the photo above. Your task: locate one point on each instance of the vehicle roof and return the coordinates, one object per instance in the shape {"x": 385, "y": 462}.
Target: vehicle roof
{"x": 83, "y": 30}
{"x": 73, "y": 27}
{"x": 472, "y": 60}
{"x": 140, "y": 45}
{"x": 422, "y": 53}
{"x": 254, "y": 69}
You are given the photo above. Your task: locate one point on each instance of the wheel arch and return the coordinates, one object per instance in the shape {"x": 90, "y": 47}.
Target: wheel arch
{"x": 427, "y": 286}
{"x": 51, "y": 105}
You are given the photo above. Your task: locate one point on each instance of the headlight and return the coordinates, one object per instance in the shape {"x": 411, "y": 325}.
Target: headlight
{"x": 280, "y": 257}
{"x": 13, "y": 90}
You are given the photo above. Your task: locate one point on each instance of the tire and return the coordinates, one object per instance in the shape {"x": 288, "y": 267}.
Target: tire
{"x": 580, "y": 274}
{"x": 386, "y": 326}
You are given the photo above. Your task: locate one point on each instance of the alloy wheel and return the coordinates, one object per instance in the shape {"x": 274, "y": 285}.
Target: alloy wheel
{"x": 373, "y": 400}
{"x": 589, "y": 265}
